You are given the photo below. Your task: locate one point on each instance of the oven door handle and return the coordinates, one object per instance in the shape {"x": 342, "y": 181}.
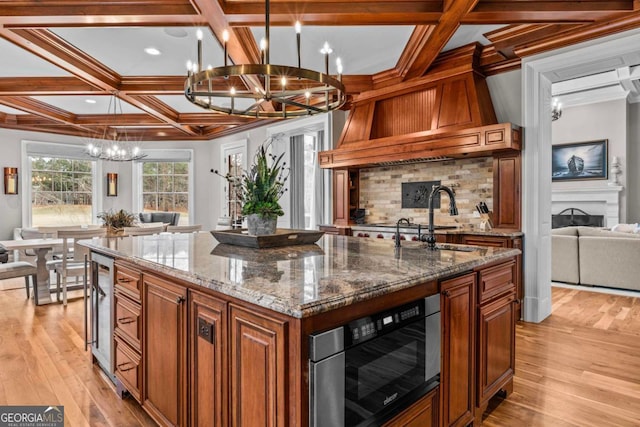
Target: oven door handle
{"x": 327, "y": 392}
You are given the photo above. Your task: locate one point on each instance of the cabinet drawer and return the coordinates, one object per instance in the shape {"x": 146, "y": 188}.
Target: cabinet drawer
{"x": 423, "y": 413}
{"x": 496, "y": 280}
{"x": 128, "y": 368}
{"x": 128, "y": 281}
{"x": 128, "y": 323}
{"x": 493, "y": 241}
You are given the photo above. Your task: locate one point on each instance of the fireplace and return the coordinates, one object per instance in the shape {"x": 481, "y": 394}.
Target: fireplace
{"x": 574, "y": 216}
{"x": 597, "y": 201}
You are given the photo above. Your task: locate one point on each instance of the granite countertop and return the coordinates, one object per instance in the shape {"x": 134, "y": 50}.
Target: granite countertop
{"x": 299, "y": 281}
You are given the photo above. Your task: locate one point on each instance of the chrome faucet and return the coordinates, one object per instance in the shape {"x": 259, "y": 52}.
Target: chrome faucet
{"x": 453, "y": 210}
{"x": 401, "y": 220}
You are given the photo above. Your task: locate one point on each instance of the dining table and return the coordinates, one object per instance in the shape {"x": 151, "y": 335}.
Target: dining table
{"x": 41, "y": 291}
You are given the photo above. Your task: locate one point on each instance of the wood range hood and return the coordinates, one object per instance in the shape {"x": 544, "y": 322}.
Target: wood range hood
{"x": 447, "y": 113}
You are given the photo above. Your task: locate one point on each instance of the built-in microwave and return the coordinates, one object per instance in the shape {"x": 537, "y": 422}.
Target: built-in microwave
{"x": 365, "y": 372}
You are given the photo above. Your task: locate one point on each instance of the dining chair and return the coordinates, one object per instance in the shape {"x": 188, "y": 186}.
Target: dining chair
{"x": 24, "y": 269}
{"x": 143, "y": 231}
{"x": 184, "y": 228}
{"x": 71, "y": 263}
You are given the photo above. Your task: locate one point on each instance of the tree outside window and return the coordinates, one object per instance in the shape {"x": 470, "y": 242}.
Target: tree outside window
{"x": 165, "y": 188}
{"x": 61, "y": 191}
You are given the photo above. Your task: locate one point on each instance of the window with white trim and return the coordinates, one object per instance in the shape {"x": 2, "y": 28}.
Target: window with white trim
{"x": 165, "y": 183}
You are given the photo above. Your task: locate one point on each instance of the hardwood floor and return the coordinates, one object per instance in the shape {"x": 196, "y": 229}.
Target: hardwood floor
{"x": 580, "y": 367}
{"x": 43, "y": 362}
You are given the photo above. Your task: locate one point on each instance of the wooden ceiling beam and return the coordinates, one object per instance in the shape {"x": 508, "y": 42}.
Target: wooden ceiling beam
{"x": 587, "y": 32}
{"x": 53, "y": 13}
{"x": 38, "y": 108}
{"x": 439, "y": 36}
{"x": 504, "y": 40}
{"x": 54, "y": 49}
{"x": 335, "y": 13}
{"x": 31, "y": 86}
{"x": 159, "y": 109}
{"x": 117, "y": 120}
{"x": 558, "y": 11}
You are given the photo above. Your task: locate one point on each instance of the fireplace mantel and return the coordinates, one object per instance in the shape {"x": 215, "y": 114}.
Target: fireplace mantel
{"x": 601, "y": 200}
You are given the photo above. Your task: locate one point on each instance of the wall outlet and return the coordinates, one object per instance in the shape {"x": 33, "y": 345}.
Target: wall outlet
{"x": 366, "y": 211}
{"x": 476, "y": 214}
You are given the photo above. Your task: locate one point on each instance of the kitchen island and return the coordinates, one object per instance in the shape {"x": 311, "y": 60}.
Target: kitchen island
{"x": 213, "y": 334}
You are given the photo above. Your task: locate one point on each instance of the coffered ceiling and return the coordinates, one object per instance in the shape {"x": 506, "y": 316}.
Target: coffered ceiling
{"x": 62, "y": 59}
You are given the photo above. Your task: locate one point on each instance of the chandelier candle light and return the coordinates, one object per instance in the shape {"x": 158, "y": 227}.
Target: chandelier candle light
{"x": 297, "y": 91}
{"x": 114, "y": 147}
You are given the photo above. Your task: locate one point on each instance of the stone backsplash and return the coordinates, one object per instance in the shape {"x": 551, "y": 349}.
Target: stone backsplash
{"x": 471, "y": 179}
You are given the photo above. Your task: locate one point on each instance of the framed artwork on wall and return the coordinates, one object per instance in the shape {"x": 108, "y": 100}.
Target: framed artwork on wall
{"x": 579, "y": 161}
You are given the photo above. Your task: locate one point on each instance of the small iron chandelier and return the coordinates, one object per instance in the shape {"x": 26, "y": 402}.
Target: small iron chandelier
{"x": 556, "y": 110}
{"x": 114, "y": 146}
{"x": 277, "y": 91}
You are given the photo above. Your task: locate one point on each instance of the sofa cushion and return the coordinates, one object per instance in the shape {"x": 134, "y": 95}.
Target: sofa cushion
{"x": 598, "y": 232}
{"x": 564, "y": 259}
{"x": 565, "y": 231}
{"x": 611, "y": 262}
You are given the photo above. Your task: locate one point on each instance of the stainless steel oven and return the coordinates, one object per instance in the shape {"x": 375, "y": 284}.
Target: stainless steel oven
{"x": 365, "y": 372}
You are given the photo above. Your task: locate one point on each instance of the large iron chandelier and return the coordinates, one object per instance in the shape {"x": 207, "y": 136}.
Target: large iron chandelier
{"x": 276, "y": 91}
{"x": 114, "y": 146}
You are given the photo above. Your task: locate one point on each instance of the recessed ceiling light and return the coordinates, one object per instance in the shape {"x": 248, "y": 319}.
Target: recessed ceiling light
{"x": 152, "y": 51}
{"x": 90, "y": 101}
{"x": 175, "y": 32}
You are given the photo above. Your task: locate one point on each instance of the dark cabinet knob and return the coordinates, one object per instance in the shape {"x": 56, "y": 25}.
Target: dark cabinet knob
{"x": 446, "y": 293}
{"x": 179, "y": 300}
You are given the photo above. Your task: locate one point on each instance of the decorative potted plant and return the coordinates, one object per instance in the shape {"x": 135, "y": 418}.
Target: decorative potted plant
{"x": 116, "y": 221}
{"x": 260, "y": 188}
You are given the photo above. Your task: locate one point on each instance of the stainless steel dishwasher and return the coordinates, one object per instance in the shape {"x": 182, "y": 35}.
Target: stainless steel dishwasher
{"x": 98, "y": 296}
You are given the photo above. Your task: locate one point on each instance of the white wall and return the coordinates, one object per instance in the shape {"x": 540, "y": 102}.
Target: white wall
{"x": 602, "y": 120}
{"x": 632, "y": 168}
{"x": 506, "y": 96}
{"x": 11, "y": 206}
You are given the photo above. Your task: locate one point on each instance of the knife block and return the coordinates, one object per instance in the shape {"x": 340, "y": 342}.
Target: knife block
{"x": 487, "y": 221}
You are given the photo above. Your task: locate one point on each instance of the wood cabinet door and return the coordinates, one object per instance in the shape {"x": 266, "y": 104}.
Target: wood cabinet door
{"x": 506, "y": 191}
{"x": 208, "y": 352}
{"x": 457, "y": 377}
{"x": 164, "y": 351}
{"x": 258, "y": 369}
{"x": 496, "y": 346}
{"x": 423, "y": 413}
{"x": 341, "y": 197}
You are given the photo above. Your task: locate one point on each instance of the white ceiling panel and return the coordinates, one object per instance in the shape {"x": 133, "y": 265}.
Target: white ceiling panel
{"x": 122, "y": 49}
{"x": 363, "y": 50}
{"x": 17, "y": 62}
{"x": 78, "y": 105}
{"x": 470, "y": 33}
{"x": 9, "y": 110}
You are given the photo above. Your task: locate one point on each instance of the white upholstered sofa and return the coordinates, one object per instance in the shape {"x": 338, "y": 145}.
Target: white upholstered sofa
{"x": 596, "y": 257}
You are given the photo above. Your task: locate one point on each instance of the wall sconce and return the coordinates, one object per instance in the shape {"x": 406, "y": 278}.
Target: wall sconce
{"x": 10, "y": 180}
{"x": 112, "y": 184}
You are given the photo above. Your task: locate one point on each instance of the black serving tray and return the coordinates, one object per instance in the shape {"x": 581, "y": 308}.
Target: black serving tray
{"x": 282, "y": 237}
